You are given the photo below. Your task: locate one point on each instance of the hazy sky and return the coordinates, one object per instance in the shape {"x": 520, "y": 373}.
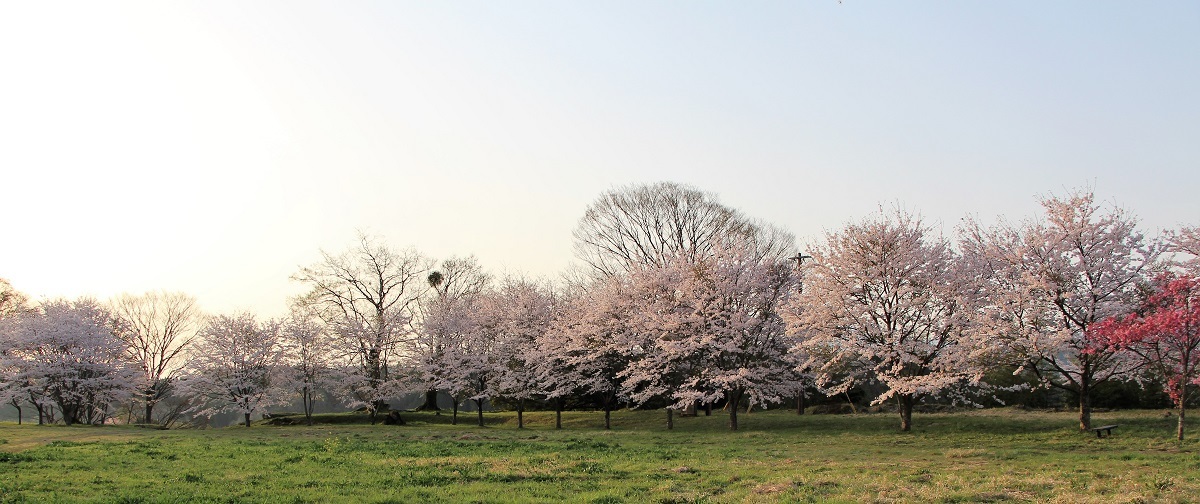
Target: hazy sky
{"x": 215, "y": 147}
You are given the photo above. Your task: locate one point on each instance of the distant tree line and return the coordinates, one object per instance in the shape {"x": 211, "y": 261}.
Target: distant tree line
{"x": 678, "y": 302}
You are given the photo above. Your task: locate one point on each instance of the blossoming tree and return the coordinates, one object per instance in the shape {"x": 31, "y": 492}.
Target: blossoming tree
{"x": 236, "y": 367}
{"x": 1049, "y": 280}
{"x": 883, "y": 301}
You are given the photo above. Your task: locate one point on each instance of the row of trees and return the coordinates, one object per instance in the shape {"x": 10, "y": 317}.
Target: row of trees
{"x": 679, "y": 301}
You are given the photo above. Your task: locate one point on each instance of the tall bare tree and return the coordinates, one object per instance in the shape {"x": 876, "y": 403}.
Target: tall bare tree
{"x": 158, "y": 329}
{"x": 652, "y": 225}
{"x": 368, "y": 296}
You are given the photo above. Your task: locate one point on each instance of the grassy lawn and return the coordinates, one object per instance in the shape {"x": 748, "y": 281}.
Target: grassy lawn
{"x": 981, "y": 456}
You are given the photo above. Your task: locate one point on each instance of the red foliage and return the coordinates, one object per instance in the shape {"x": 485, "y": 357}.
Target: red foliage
{"x": 1165, "y": 332}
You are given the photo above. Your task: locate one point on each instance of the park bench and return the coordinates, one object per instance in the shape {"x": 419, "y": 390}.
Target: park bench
{"x": 1106, "y": 429}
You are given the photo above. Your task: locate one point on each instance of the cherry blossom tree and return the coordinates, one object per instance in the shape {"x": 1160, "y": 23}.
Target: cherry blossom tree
{"x": 555, "y": 368}
{"x": 637, "y": 241}
{"x": 12, "y": 301}
{"x": 515, "y": 316}
{"x": 368, "y": 297}
{"x": 66, "y": 355}
{"x": 454, "y": 280}
{"x": 460, "y": 366}
{"x": 12, "y": 304}
{"x": 1165, "y": 334}
{"x": 1049, "y": 280}
{"x": 883, "y": 302}
{"x": 236, "y": 367}
{"x": 308, "y": 352}
{"x": 741, "y": 344}
{"x": 704, "y": 332}
{"x": 1186, "y": 243}
{"x": 590, "y": 344}
{"x": 157, "y": 328}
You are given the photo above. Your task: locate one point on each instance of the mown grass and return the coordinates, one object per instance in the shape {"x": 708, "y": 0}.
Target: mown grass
{"x": 981, "y": 456}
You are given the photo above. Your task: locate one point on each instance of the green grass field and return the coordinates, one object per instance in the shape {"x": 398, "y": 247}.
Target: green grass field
{"x": 981, "y": 456}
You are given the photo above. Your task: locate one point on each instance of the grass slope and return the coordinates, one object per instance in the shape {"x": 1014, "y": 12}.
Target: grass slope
{"x": 982, "y": 456}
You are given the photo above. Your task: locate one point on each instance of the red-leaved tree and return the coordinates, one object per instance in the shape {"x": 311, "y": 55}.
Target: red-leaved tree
{"x": 1165, "y": 333}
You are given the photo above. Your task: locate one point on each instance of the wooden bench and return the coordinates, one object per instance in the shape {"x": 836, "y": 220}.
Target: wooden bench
{"x": 1106, "y": 429}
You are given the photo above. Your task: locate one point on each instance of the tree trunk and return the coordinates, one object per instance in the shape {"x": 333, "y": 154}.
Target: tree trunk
{"x": 558, "y": 407}
{"x": 670, "y": 419}
{"x": 454, "y": 418}
{"x": 800, "y": 403}
{"x": 520, "y": 413}
{"x": 906, "y": 407}
{"x": 18, "y": 414}
{"x": 247, "y": 419}
{"x": 735, "y": 398}
{"x": 479, "y": 409}
{"x": 1182, "y": 412}
{"x": 149, "y": 412}
{"x": 430, "y": 404}
{"x": 306, "y": 396}
{"x": 1085, "y": 406}
{"x": 607, "y": 415}
{"x": 708, "y": 408}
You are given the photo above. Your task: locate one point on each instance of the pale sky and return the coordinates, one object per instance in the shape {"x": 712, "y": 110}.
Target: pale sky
{"x": 215, "y": 147}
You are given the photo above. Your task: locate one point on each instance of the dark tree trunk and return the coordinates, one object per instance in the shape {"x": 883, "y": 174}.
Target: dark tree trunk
{"x": 800, "y": 403}
{"x": 479, "y": 409}
{"x": 608, "y": 400}
{"x": 375, "y": 408}
{"x": 247, "y": 419}
{"x": 670, "y": 419}
{"x": 149, "y": 411}
{"x": 430, "y": 404}
{"x": 306, "y": 395}
{"x": 454, "y": 418}
{"x": 735, "y": 398}
{"x": 558, "y": 407}
{"x": 708, "y": 409}
{"x": 18, "y": 413}
{"x": 906, "y": 407}
{"x": 520, "y": 413}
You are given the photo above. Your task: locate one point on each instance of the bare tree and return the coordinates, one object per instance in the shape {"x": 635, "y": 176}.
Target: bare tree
{"x": 651, "y": 225}
{"x": 368, "y": 297}
{"x": 158, "y": 328}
